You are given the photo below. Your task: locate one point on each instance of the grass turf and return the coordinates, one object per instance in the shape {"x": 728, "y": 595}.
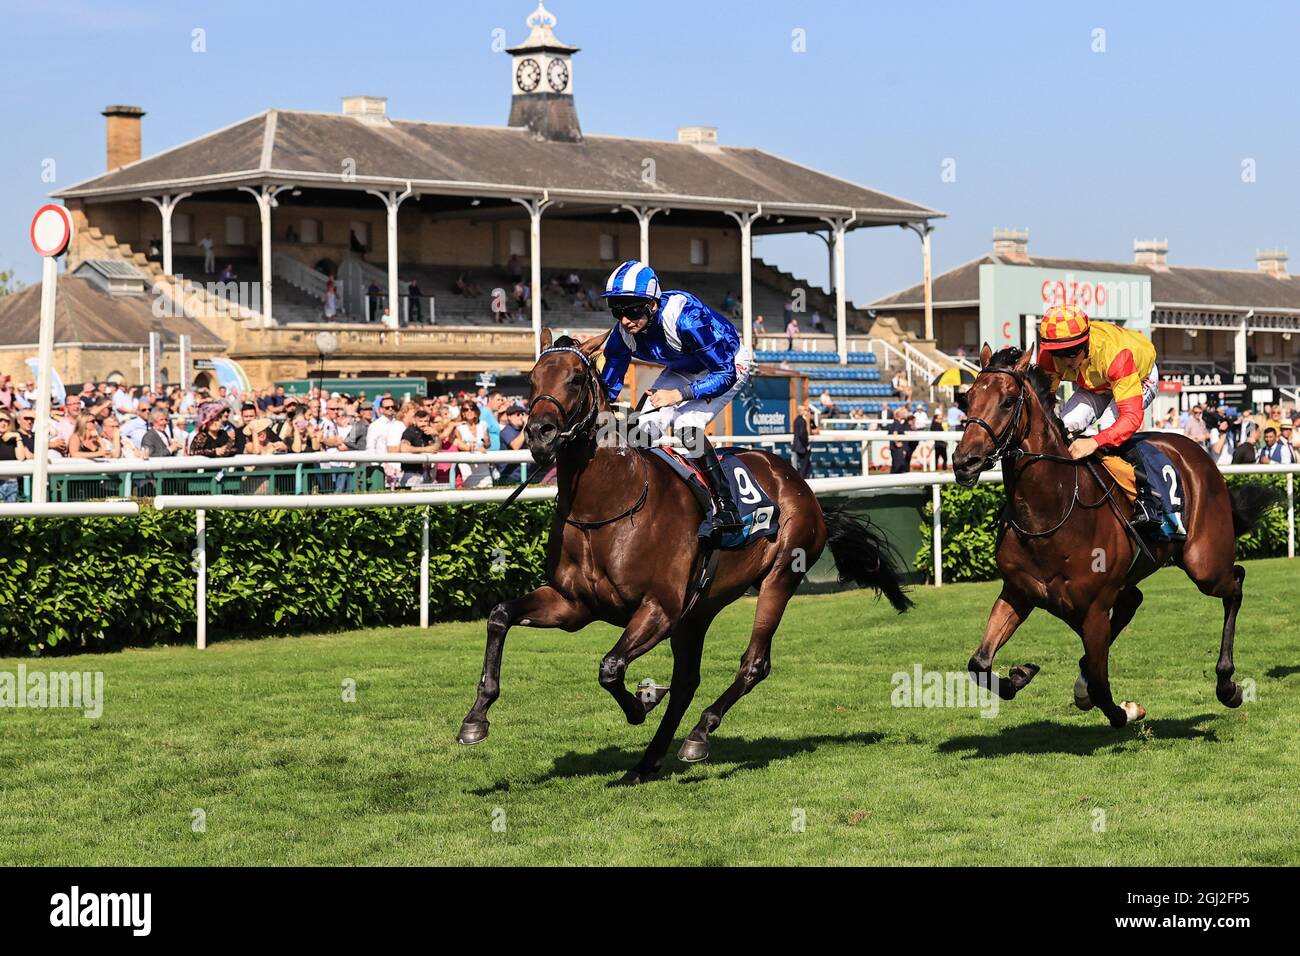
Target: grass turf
{"x": 257, "y": 736}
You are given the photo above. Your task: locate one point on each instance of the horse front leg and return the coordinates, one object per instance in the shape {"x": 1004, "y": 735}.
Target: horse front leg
{"x": 1009, "y": 612}
{"x": 648, "y": 626}
{"x": 545, "y": 607}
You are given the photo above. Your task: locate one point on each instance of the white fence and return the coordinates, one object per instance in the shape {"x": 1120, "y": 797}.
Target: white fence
{"x": 201, "y": 504}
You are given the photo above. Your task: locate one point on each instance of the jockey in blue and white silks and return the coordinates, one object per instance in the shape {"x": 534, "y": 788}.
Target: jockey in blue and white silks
{"x": 705, "y": 366}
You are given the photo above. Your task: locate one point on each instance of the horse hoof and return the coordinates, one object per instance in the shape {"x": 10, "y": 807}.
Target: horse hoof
{"x": 1081, "y": 698}
{"x": 472, "y": 732}
{"x": 632, "y": 778}
{"x": 1133, "y": 710}
{"x": 650, "y": 694}
{"x": 1229, "y": 696}
{"x": 693, "y": 751}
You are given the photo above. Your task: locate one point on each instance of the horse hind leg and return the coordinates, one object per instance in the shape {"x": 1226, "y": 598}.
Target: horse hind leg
{"x": 1130, "y": 599}
{"x": 755, "y": 663}
{"x": 1228, "y": 692}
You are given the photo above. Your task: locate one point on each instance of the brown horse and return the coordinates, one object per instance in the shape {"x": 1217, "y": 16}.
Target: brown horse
{"x": 1064, "y": 543}
{"x": 623, "y": 548}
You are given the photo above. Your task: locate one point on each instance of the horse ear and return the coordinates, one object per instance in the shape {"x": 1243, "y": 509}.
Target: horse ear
{"x": 986, "y": 353}
{"x": 1025, "y": 360}
{"x": 591, "y": 346}
{"x": 546, "y": 339}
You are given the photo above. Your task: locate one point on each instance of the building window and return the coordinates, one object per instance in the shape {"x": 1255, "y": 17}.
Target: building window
{"x": 1270, "y": 344}
{"x": 608, "y": 247}
{"x": 309, "y": 230}
{"x": 517, "y": 245}
{"x": 699, "y": 252}
{"x": 970, "y": 334}
{"x": 234, "y": 230}
{"x": 180, "y": 227}
{"x": 360, "y": 231}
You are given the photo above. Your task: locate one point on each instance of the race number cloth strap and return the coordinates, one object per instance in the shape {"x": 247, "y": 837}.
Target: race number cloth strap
{"x": 1162, "y": 475}
{"x": 759, "y": 514}
{"x": 1119, "y": 363}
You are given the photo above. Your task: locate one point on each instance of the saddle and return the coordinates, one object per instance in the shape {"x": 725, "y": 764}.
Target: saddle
{"x": 1161, "y": 478}
{"x": 759, "y": 514}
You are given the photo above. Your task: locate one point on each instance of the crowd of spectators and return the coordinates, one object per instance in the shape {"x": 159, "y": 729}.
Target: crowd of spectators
{"x": 1232, "y": 436}
{"x": 106, "y": 421}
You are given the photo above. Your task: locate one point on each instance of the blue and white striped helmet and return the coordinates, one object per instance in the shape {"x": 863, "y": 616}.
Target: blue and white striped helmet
{"x": 634, "y": 279}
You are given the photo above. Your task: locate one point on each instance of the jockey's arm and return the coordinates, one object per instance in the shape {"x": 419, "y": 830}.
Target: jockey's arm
{"x": 717, "y": 355}
{"x": 1126, "y": 390}
{"x": 617, "y": 358}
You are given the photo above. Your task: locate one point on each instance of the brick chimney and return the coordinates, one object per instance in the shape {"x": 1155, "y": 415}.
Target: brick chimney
{"x": 1011, "y": 244}
{"x": 698, "y": 135}
{"x": 1151, "y": 252}
{"x": 369, "y": 109}
{"x": 1272, "y": 261}
{"x": 123, "y": 129}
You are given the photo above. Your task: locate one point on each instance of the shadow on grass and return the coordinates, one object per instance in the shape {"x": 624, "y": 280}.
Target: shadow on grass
{"x": 1282, "y": 671}
{"x": 1048, "y": 737}
{"x": 734, "y": 754}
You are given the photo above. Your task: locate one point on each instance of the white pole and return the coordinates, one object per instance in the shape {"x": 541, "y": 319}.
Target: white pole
{"x": 925, "y": 278}
{"x": 746, "y": 281}
{"x": 535, "y": 273}
{"x": 394, "y": 297}
{"x": 424, "y": 571}
{"x": 841, "y": 304}
{"x": 264, "y": 208}
{"x": 45, "y": 379}
{"x": 201, "y": 587}
{"x": 936, "y": 544}
{"x": 1290, "y": 515}
{"x": 142, "y": 367}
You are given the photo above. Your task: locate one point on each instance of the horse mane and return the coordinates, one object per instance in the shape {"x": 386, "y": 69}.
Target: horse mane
{"x": 565, "y": 342}
{"x": 1038, "y": 380}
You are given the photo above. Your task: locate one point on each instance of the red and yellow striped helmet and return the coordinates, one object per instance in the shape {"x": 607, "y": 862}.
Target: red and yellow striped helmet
{"x": 1062, "y": 327}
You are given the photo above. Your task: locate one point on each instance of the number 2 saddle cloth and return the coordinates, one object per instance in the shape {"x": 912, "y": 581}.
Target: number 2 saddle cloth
{"x": 759, "y": 514}
{"x": 1161, "y": 473}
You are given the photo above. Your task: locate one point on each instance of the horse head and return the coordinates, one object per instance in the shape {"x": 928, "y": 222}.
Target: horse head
{"x": 566, "y": 393}
{"x": 999, "y": 406}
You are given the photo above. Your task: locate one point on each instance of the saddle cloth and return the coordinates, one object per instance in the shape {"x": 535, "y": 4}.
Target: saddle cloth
{"x": 759, "y": 514}
{"x": 1162, "y": 474}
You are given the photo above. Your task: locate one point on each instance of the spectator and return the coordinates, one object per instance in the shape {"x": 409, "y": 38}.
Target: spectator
{"x": 816, "y": 320}
{"x": 110, "y": 432}
{"x": 6, "y": 392}
{"x": 260, "y": 439}
{"x": 243, "y": 435}
{"x": 1222, "y": 444}
{"x": 228, "y": 273}
{"x": 514, "y": 268}
{"x": 802, "y": 447}
{"x": 791, "y": 332}
{"x": 495, "y": 404}
{"x": 940, "y": 424}
{"x": 331, "y": 299}
{"x": 351, "y": 427}
{"x": 26, "y": 447}
{"x": 899, "y": 457}
{"x": 902, "y": 386}
{"x": 414, "y": 300}
{"x": 211, "y": 440}
{"x": 209, "y": 256}
{"x": 1195, "y": 429}
{"x": 418, "y": 437}
{"x": 472, "y": 436}
{"x": 1246, "y": 453}
{"x": 8, "y": 452}
{"x": 466, "y": 286}
{"x": 135, "y": 427}
{"x": 372, "y": 297}
{"x": 513, "y": 438}
{"x": 1170, "y": 421}
{"x": 64, "y": 427}
{"x": 827, "y": 403}
{"x": 85, "y": 441}
{"x": 1276, "y": 451}
{"x": 160, "y": 441}
{"x": 759, "y": 327}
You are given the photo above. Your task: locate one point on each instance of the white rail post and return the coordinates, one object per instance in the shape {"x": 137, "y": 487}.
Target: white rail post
{"x": 936, "y": 545}
{"x": 424, "y": 571}
{"x": 201, "y": 587}
{"x": 1290, "y": 515}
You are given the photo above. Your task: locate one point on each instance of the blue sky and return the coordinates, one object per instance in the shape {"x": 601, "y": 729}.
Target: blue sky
{"x": 1089, "y": 150}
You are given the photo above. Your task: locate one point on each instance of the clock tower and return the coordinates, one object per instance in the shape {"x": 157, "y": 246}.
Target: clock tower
{"x": 541, "y": 81}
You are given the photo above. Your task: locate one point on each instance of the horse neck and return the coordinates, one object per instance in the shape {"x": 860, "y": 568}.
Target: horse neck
{"x": 600, "y": 467}
{"x": 1053, "y": 482}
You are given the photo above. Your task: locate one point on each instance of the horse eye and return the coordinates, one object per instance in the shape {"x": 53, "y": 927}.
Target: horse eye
{"x": 1008, "y": 402}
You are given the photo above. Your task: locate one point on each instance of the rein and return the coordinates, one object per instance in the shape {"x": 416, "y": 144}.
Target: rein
{"x": 1005, "y": 448}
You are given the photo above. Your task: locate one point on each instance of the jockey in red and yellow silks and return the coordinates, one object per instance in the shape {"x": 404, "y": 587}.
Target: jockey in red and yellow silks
{"x": 1113, "y": 370}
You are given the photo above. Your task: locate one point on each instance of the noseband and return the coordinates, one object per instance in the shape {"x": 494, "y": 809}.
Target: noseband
{"x": 1002, "y": 444}
{"x": 577, "y": 421}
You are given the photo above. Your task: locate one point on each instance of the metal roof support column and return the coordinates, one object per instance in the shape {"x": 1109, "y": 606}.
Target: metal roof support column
{"x": 923, "y": 229}
{"x": 535, "y": 207}
{"x": 392, "y": 200}
{"x": 643, "y": 216}
{"x": 838, "y": 227}
{"x": 1239, "y": 344}
{"x": 165, "y": 205}
{"x": 266, "y": 201}
{"x": 746, "y": 220}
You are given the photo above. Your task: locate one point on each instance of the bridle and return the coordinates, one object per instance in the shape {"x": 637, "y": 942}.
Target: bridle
{"x": 1004, "y": 448}
{"x": 577, "y": 420}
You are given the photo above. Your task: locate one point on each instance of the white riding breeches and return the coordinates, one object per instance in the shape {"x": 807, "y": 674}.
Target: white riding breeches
{"x": 694, "y": 412}
{"x": 1084, "y": 408}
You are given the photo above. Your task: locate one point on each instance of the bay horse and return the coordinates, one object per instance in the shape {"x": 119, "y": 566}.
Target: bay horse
{"x": 1064, "y": 545}
{"x": 623, "y": 548}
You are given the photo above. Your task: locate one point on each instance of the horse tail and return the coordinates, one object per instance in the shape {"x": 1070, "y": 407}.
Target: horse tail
{"x": 863, "y": 556}
{"x": 1251, "y": 500}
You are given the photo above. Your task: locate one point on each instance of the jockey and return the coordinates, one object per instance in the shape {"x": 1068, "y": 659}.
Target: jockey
{"x": 705, "y": 366}
{"x": 1115, "y": 377}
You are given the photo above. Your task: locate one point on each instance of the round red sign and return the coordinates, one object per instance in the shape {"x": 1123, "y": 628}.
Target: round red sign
{"x": 51, "y": 230}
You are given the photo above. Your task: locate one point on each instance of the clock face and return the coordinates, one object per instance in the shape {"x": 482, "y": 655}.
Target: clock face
{"x": 557, "y": 75}
{"x": 528, "y": 75}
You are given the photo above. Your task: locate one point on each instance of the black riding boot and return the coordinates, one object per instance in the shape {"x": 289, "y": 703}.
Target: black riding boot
{"x": 726, "y": 519}
{"x": 1147, "y": 512}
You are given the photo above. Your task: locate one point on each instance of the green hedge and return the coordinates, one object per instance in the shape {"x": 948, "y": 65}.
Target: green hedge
{"x": 74, "y": 584}
{"x": 970, "y": 530}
